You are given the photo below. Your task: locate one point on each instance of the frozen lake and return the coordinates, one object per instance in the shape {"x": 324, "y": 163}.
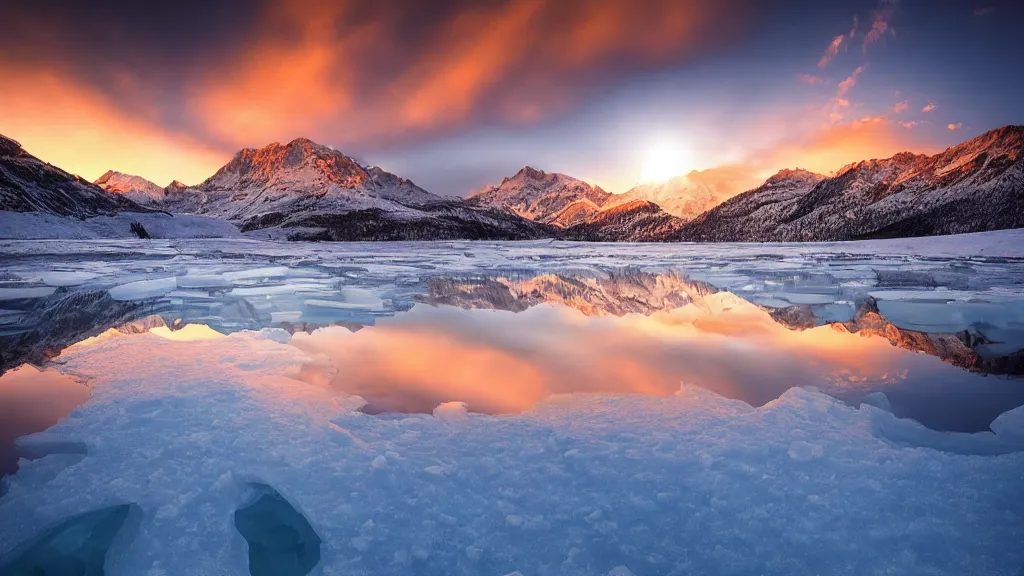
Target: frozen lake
{"x": 487, "y": 408}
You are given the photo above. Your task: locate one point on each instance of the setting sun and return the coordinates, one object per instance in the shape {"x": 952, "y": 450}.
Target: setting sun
{"x": 663, "y": 161}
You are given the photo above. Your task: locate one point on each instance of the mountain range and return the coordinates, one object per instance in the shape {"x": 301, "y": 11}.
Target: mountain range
{"x": 306, "y": 191}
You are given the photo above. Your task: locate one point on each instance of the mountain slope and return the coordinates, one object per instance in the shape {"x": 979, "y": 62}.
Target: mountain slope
{"x": 308, "y": 191}
{"x": 538, "y": 195}
{"x": 636, "y": 221}
{"x": 27, "y": 184}
{"x": 972, "y": 187}
{"x": 136, "y": 188}
{"x": 754, "y": 215}
{"x": 300, "y": 177}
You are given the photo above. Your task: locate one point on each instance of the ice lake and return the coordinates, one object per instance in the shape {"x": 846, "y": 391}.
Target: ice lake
{"x": 487, "y": 408}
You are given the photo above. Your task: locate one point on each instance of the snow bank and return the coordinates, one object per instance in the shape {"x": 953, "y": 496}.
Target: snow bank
{"x": 32, "y": 226}
{"x": 186, "y": 432}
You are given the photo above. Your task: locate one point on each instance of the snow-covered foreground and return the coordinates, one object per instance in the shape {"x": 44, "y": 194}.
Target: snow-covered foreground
{"x": 35, "y": 225}
{"x": 187, "y": 431}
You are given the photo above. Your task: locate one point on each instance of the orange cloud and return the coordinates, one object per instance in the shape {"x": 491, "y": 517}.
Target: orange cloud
{"x": 900, "y": 106}
{"x": 349, "y": 71}
{"x": 810, "y": 79}
{"x": 929, "y": 107}
{"x": 954, "y": 127}
{"x": 832, "y": 147}
{"x": 850, "y": 81}
{"x": 831, "y": 51}
{"x": 82, "y": 131}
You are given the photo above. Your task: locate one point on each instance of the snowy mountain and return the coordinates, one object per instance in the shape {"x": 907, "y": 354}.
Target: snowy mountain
{"x": 312, "y": 192}
{"x": 754, "y": 215}
{"x": 541, "y": 196}
{"x": 297, "y": 178}
{"x": 686, "y": 196}
{"x": 27, "y": 184}
{"x": 136, "y": 188}
{"x": 635, "y": 221}
{"x": 975, "y": 186}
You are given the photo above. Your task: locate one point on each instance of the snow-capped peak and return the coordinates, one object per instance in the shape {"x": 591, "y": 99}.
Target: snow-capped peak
{"x": 135, "y": 187}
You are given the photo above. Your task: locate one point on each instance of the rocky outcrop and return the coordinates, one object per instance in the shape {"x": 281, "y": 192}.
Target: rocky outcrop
{"x": 27, "y": 184}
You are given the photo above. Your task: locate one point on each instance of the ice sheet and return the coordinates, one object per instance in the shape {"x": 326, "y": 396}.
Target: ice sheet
{"x": 582, "y": 484}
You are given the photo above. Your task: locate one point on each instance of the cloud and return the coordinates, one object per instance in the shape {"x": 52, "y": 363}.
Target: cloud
{"x": 900, "y": 106}
{"x": 810, "y": 79}
{"x": 362, "y": 76}
{"x": 829, "y": 148}
{"x": 984, "y": 10}
{"x": 954, "y": 127}
{"x": 82, "y": 131}
{"x": 831, "y": 51}
{"x": 929, "y": 107}
{"x": 850, "y": 81}
{"x": 881, "y": 19}
{"x": 908, "y": 125}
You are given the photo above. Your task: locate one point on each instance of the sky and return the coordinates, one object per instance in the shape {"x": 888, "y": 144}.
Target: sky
{"x": 456, "y": 94}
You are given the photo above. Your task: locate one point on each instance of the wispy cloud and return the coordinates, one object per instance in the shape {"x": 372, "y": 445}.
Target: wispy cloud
{"x": 954, "y": 127}
{"x": 929, "y": 107}
{"x": 881, "y": 19}
{"x": 984, "y": 10}
{"x": 908, "y": 125}
{"x": 810, "y": 79}
{"x": 850, "y": 81}
{"x": 831, "y": 51}
{"x": 900, "y": 106}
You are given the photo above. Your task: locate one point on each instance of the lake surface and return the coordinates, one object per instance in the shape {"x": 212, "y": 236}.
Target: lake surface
{"x": 934, "y": 336}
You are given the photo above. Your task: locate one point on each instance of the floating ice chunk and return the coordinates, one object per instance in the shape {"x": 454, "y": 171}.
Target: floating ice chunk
{"x": 202, "y": 281}
{"x": 66, "y": 277}
{"x": 257, "y": 273}
{"x": 20, "y": 293}
{"x": 143, "y": 289}
{"x": 878, "y": 400}
{"x": 1009, "y": 426}
{"x": 451, "y": 411}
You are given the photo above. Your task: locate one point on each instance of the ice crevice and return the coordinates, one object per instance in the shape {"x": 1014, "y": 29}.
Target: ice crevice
{"x": 225, "y": 442}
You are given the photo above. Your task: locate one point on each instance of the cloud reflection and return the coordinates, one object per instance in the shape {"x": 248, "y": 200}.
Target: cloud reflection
{"x": 501, "y": 362}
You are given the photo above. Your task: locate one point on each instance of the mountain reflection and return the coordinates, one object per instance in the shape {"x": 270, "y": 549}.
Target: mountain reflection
{"x": 502, "y": 343}
{"x": 521, "y": 350}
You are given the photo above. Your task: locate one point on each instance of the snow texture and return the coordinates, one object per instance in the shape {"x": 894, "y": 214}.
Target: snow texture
{"x": 581, "y": 484}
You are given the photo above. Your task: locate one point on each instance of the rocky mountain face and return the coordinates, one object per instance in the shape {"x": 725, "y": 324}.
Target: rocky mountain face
{"x": 27, "y": 184}
{"x": 636, "y": 221}
{"x": 541, "y": 196}
{"x": 975, "y": 186}
{"x": 135, "y": 188}
{"x": 753, "y": 216}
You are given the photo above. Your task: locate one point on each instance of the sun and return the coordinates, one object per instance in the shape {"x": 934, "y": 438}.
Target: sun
{"x": 663, "y": 161}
